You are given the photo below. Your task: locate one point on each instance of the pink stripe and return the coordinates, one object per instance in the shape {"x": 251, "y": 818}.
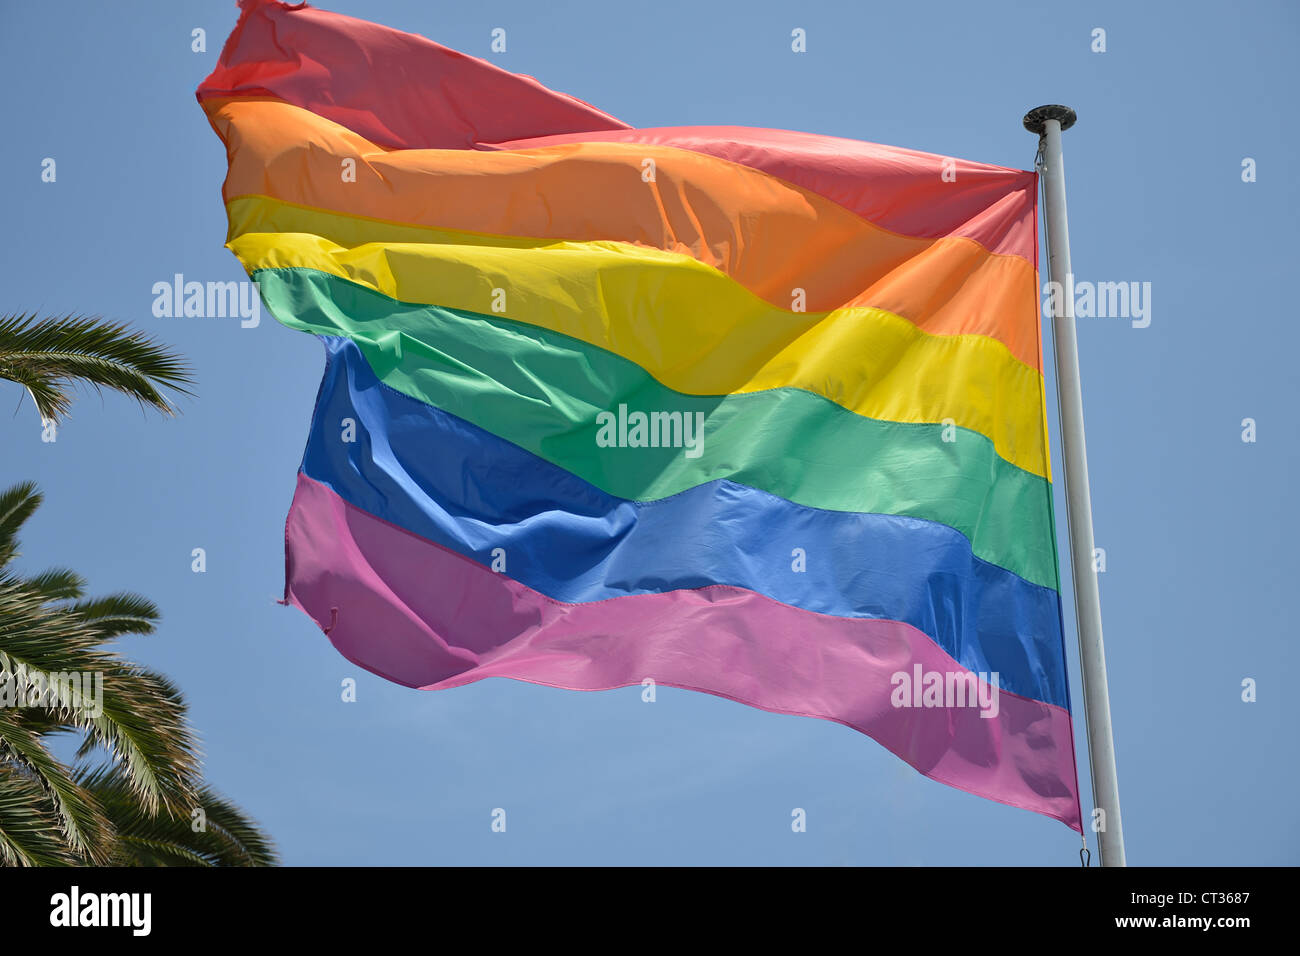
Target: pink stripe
{"x": 420, "y": 615}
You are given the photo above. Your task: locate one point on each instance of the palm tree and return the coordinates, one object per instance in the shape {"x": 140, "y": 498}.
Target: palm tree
{"x": 143, "y": 802}
{"x": 48, "y": 356}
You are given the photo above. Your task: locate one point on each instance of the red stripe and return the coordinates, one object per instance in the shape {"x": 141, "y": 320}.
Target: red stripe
{"x": 397, "y": 89}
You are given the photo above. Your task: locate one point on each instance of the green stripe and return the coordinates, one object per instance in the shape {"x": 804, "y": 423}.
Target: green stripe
{"x": 542, "y": 390}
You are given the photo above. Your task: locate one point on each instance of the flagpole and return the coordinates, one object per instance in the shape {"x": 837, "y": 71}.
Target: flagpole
{"x": 1049, "y": 122}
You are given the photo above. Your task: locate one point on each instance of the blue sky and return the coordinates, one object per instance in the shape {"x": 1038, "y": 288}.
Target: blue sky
{"x": 1201, "y": 560}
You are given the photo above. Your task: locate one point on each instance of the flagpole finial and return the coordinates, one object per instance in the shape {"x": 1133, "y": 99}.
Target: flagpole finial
{"x": 1036, "y": 119}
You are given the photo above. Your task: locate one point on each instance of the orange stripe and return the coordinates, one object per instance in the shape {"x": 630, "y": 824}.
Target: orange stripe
{"x": 766, "y": 234}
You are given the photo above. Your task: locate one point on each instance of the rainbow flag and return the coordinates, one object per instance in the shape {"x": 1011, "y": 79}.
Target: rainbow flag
{"x": 752, "y": 412}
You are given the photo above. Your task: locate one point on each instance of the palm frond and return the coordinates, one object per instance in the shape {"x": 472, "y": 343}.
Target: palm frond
{"x": 49, "y": 355}
{"x": 222, "y": 835}
{"x": 57, "y": 584}
{"x": 29, "y": 833}
{"x": 141, "y": 717}
{"x": 16, "y": 505}
{"x": 117, "y": 614}
{"x": 143, "y": 726}
{"x": 51, "y": 396}
{"x": 82, "y": 822}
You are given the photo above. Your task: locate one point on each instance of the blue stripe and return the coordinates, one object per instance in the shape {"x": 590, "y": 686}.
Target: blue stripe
{"x": 451, "y": 482}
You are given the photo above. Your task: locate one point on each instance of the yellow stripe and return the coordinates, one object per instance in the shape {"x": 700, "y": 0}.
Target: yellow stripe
{"x": 697, "y": 331}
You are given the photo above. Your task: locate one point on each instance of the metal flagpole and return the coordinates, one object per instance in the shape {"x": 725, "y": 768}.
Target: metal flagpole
{"x": 1049, "y": 122}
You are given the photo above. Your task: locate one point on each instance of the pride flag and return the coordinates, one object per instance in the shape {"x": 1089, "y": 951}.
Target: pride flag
{"x": 753, "y": 412}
